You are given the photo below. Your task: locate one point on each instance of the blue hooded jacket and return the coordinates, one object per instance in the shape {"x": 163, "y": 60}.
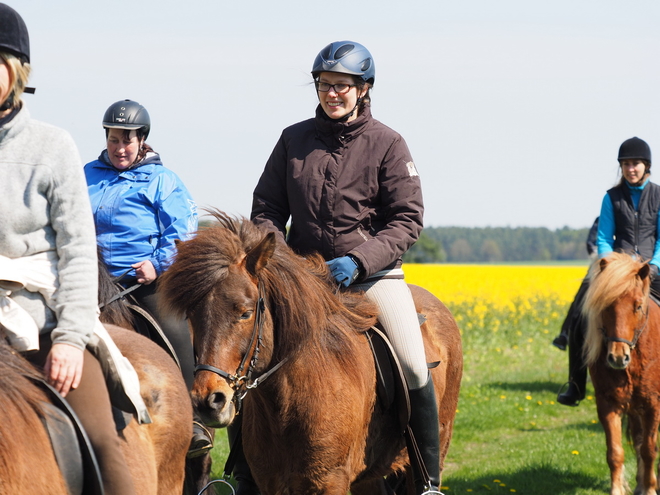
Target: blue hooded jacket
{"x": 139, "y": 213}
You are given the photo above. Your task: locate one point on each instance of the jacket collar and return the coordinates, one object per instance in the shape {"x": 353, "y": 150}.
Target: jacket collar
{"x": 150, "y": 159}
{"x": 338, "y": 132}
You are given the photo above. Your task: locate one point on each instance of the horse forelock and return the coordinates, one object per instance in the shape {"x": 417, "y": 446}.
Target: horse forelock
{"x": 607, "y": 285}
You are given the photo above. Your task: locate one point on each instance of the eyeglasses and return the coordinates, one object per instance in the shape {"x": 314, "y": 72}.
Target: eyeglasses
{"x": 340, "y": 89}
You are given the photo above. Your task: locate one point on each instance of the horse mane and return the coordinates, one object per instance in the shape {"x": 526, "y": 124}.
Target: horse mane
{"x": 610, "y": 278}
{"x": 298, "y": 290}
{"x": 115, "y": 312}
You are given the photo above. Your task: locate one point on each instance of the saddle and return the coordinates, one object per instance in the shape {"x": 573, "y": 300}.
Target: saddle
{"x": 71, "y": 445}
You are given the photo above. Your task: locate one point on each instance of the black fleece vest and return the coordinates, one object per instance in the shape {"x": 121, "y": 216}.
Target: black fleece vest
{"x": 636, "y": 231}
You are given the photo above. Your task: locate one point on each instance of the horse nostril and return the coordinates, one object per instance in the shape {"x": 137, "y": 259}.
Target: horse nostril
{"x": 216, "y": 400}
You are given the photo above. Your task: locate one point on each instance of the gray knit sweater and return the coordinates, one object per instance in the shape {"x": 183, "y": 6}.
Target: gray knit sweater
{"x": 44, "y": 206}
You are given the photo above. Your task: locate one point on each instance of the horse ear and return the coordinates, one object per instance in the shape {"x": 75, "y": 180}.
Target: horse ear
{"x": 644, "y": 271}
{"x": 258, "y": 256}
{"x": 603, "y": 263}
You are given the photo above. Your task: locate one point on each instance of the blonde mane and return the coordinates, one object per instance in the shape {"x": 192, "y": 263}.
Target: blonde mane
{"x": 610, "y": 278}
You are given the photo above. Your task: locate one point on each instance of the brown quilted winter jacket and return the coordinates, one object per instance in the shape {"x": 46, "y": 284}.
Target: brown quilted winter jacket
{"x": 347, "y": 187}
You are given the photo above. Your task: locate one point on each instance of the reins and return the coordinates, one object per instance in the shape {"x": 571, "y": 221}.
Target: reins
{"x": 239, "y": 382}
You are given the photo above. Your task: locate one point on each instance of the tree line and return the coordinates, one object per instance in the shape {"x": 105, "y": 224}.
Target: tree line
{"x": 493, "y": 244}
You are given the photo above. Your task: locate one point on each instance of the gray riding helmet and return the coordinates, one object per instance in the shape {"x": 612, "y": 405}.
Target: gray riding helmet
{"x": 127, "y": 114}
{"x": 346, "y": 57}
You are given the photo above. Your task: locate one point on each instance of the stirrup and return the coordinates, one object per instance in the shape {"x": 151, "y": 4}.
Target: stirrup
{"x": 432, "y": 491}
{"x": 200, "y": 443}
{"x": 563, "y": 389}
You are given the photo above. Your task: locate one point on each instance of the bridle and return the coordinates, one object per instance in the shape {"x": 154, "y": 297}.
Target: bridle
{"x": 239, "y": 382}
{"x": 638, "y": 332}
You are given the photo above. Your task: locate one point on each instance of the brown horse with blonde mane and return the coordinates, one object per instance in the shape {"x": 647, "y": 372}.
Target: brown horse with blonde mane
{"x": 155, "y": 453}
{"x": 294, "y": 349}
{"x": 622, "y": 350}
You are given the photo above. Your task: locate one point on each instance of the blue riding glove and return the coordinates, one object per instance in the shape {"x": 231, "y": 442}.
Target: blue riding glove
{"x": 345, "y": 270}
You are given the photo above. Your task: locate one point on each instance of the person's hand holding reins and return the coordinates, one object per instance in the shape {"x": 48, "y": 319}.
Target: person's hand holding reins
{"x": 63, "y": 368}
{"x": 145, "y": 272}
{"x": 344, "y": 269}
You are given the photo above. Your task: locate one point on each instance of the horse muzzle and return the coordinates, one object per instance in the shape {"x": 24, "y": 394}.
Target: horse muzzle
{"x": 215, "y": 406}
{"x": 618, "y": 355}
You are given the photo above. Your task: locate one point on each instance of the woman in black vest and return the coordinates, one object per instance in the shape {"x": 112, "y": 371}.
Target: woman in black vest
{"x": 628, "y": 223}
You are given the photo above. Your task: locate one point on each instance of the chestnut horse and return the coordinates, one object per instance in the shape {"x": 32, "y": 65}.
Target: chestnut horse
{"x": 622, "y": 349}
{"x": 295, "y": 348}
{"x": 155, "y": 453}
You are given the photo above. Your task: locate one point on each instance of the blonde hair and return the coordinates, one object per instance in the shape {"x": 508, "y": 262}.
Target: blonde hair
{"x": 20, "y": 73}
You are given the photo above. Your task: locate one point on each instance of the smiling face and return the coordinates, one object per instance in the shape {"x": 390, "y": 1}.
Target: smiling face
{"x": 633, "y": 170}
{"x": 122, "y": 148}
{"x": 335, "y": 105}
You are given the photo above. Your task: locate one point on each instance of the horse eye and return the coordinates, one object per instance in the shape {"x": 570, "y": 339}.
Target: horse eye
{"x": 247, "y": 315}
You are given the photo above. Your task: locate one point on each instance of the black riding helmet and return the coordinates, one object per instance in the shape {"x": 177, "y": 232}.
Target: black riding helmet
{"x": 13, "y": 33}
{"x": 635, "y": 149}
{"x": 128, "y": 114}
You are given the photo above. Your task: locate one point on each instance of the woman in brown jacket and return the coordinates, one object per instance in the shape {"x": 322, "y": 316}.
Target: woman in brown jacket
{"x": 351, "y": 189}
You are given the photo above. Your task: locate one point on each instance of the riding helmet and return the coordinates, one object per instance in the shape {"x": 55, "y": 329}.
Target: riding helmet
{"x": 346, "y": 57}
{"x": 14, "y": 34}
{"x": 127, "y": 114}
{"x": 635, "y": 148}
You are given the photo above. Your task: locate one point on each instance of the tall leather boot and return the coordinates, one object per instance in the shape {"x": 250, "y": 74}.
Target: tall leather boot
{"x": 424, "y": 425}
{"x": 242, "y": 474}
{"x": 577, "y": 371}
{"x": 202, "y": 439}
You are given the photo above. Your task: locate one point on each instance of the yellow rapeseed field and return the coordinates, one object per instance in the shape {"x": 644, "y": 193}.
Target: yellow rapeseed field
{"x": 501, "y": 298}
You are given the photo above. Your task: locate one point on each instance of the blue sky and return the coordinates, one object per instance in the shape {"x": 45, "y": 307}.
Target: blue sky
{"x": 513, "y": 110}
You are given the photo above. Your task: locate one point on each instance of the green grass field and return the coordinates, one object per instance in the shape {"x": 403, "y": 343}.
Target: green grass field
{"x": 510, "y": 435}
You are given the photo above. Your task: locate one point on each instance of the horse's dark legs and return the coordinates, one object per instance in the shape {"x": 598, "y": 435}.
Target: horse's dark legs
{"x": 424, "y": 425}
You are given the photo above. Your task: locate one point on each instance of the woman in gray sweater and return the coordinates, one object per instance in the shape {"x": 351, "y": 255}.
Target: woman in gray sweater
{"x": 46, "y": 221}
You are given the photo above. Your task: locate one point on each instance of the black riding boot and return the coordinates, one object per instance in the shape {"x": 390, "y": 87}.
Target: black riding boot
{"x": 242, "y": 474}
{"x": 202, "y": 440}
{"x": 577, "y": 371}
{"x": 424, "y": 425}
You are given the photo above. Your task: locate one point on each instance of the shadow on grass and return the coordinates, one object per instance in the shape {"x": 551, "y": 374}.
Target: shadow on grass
{"x": 535, "y": 480}
{"x": 538, "y": 387}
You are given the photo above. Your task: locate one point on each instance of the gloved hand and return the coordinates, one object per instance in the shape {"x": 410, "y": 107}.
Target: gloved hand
{"x": 344, "y": 269}
{"x": 654, "y": 271}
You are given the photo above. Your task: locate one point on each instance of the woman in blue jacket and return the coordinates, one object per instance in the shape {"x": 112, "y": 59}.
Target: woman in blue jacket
{"x": 140, "y": 210}
{"x": 629, "y": 222}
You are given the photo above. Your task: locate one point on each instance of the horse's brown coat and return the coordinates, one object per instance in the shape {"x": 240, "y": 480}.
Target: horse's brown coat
{"x": 155, "y": 453}
{"x": 314, "y": 426}
{"x": 626, "y": 380}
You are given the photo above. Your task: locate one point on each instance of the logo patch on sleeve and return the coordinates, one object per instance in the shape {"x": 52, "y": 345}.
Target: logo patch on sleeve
{"x": 412, "y": 170}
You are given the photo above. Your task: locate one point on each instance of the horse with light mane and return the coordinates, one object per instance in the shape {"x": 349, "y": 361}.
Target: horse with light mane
{"x": 273, "y": 321}
{"x": 622, "y": 350}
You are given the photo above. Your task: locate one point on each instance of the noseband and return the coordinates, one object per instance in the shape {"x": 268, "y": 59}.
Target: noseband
{"x": 241, "y": 383}
{"x": 636, "y": 336}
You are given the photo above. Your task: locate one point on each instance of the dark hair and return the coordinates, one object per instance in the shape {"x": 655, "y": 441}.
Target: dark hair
{"x": 139, "y": 133}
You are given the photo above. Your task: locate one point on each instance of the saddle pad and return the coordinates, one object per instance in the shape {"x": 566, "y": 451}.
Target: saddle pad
{"x": 391, "y": 384}
{"x": 92, "y": 484}
{"x": 64, "y": 441}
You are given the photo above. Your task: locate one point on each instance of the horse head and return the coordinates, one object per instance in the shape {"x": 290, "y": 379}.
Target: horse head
{"x": 616, "y": 306}
{"x": 215, "y": 283}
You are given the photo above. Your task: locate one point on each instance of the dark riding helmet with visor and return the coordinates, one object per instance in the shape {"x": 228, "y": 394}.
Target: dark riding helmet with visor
{"x": 129, "y": 115}
{"x": 346, "y": 57}
{"x": 635, "y": 149}
{"x": 14, "y": 36}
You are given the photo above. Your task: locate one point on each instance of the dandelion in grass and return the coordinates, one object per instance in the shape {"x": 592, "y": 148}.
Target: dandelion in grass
{"x": 575, "y": 452}
{"x": 594, "y": 421}
{"x": 539, "y": 402}
{"x": 590, "y": 397}
{"x": 497, "y": 481}
{"x": 502, "y": 397}
{"x": 528, "y": 397}
{"x": 512, "y": 490}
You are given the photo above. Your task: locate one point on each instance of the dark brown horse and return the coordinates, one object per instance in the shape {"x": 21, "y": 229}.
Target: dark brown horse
{"x": 623, "y": 354}
{"x": 311, "y": 420}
